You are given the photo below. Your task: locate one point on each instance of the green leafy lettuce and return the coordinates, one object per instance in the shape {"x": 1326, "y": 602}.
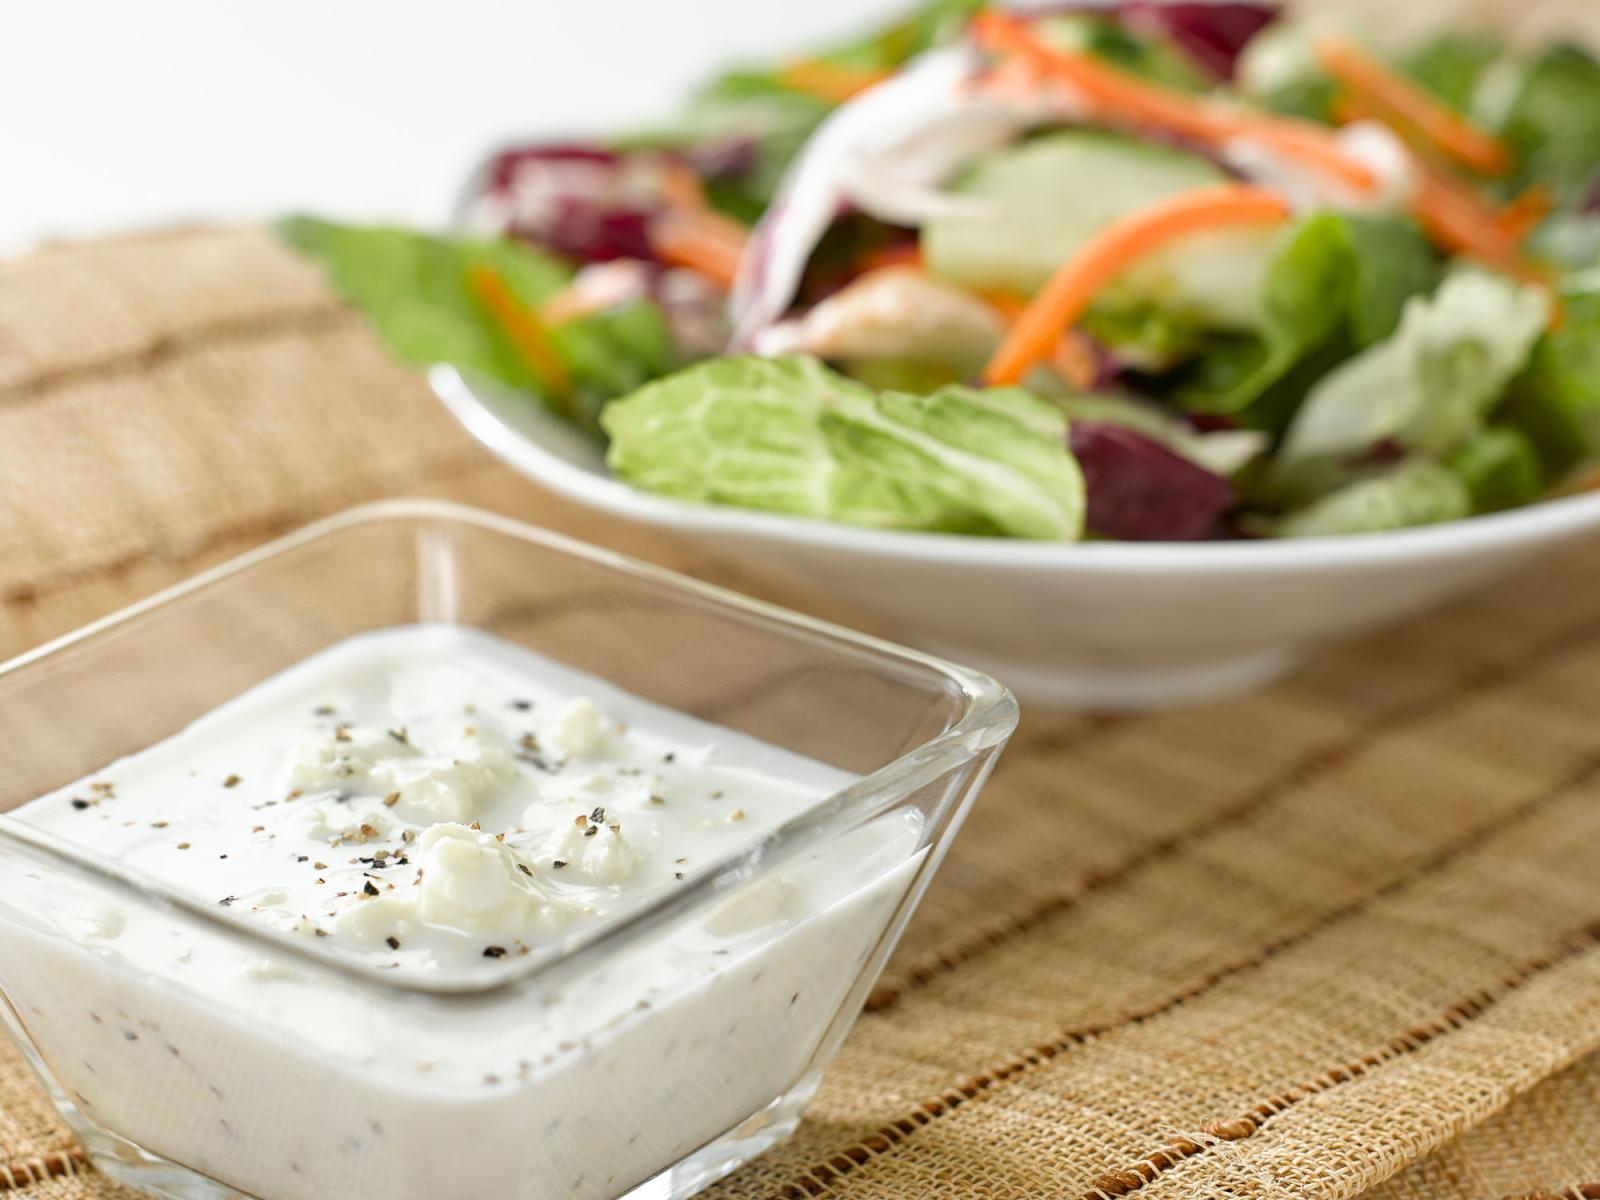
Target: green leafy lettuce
{"x": 1553, "y": 122}
{"x": 1556, "y": 401}
{"x": 1331, "y": 278}
{"x": 789, "y": 435}
{"x": 412, "y": 287}
{"x": 1414, "y": 493}
{"x": 1451, "y": 66}
{"x": 1499, "y": 467}
{"x": 1432, "y": 383}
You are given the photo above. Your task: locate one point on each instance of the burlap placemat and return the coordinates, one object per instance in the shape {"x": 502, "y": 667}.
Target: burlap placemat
{"x": 1340, "y": 936}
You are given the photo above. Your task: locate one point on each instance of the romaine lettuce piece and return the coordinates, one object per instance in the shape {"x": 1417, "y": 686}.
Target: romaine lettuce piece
{"x": 1415, "y": 493}
{"x": 1433, "y": 382}
{"x": 789, "y": 435}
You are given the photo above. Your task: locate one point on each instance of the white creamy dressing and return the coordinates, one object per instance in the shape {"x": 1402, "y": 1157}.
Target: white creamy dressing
{"x": 335, "y": 805}
{"x": 419, "y": 798}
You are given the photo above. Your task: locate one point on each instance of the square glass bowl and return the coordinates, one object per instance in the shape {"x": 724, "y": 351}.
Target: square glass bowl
{"x": 554, "y": 1083}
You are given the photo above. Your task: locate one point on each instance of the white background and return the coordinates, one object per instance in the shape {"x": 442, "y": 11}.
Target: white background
{"x": 121, "y": 113}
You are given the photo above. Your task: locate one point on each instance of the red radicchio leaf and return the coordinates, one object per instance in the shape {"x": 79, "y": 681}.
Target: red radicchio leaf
{"x": 582, "y": 201}
{"x": 1212, "y": 34}
{"x": 1139, "y": 491}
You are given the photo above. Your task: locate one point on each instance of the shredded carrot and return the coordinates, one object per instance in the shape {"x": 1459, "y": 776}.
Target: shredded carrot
{"x": 523, "y": 326}
{"x": 703, "y": 241}
{"x": 1008, "y": 304}
{"x": 1458, "y": 219}
{"x": 1526, "y": 209}
{"x": 1071, "y": 357}
{"x": 1450, "y": 211}
{"x": 1121, "y": 96}
{"x": 1074, "y": 361}
{"x": 1076, "y": 282}
{"x": 1373, "y": 81}
{"x": 680, "y": 186}
{"x": 830, "y": 81}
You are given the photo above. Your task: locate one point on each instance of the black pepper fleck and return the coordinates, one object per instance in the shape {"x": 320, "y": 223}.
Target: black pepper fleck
{"x": 393, "y": 942}
{"x": 494, "y": 951}
{"x": 368, "y": 889}
{"x": 80, "y": 804}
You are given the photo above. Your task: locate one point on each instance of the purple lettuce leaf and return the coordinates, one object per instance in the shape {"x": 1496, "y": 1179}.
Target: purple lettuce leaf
{"x": 1139, "y": 491}
{"x": 1214, "y": 35}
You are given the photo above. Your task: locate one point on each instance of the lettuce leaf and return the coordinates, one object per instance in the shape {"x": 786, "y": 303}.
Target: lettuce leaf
{"x": 1415, "y": 493}
{"x": 1430, "y": 384}
{"x": 1330, "y": 277}
{"x": 1500, "y": 468}
{"x": 1222, "y": 452}
{"x": 1553, "y": 122}
{"x": 1451, "y": 65}
{"x": 789, "y": 435}
{"x": 1556, "y": 401}
{"x": 412, "y": 288}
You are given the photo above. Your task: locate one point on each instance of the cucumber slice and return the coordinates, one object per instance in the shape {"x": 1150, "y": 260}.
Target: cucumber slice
{"x": 1044, "y": 198}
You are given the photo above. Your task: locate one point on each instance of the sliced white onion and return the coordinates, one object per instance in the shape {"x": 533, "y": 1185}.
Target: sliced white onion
{"x": 884, "y": 152}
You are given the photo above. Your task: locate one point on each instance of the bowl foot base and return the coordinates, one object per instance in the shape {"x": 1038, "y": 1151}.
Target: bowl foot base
{"x": 1131, "y": 686}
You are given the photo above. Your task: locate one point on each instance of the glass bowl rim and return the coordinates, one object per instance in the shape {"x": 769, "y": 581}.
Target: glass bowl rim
{"x": 988, "y": 717}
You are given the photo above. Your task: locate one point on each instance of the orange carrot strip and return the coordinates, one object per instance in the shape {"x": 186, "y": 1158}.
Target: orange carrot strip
{"x": 1120, "y": 95}
{"x": 1456, "y": 218}
{"x": 830, "y": 81}
{"x": 1010, "y": 305}
{"x": 1452, "y": 133}
{"x": 703, "y": 241}
{"x": 1076, "y": 282}
{"x": 523, "y": 326}
{"x": 680, "y": 186}
{"x": 1527, "y": 208}
{"x": 1073, "y": 360}
{"x": 1452, "y": 214}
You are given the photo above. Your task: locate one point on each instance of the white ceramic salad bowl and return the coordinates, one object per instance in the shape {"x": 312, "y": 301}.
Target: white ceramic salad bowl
{"x": 1098, "y": 625}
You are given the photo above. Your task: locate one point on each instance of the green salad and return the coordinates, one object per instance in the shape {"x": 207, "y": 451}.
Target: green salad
{"x": 1149, "y": 272}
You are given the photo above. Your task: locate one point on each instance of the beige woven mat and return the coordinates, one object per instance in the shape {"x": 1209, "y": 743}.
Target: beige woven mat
{"x": 1342, "y": 933}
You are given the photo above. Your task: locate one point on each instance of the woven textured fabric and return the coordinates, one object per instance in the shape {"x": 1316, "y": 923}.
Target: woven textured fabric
{"x": 1340, "y": 936}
